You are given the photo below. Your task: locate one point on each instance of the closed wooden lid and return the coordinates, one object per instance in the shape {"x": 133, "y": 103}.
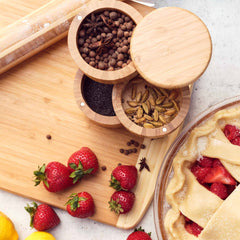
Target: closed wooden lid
{"x": 171, "y": 47}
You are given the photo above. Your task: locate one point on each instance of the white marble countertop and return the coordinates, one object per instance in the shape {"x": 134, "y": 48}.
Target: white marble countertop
{"x": 220, "y": 81}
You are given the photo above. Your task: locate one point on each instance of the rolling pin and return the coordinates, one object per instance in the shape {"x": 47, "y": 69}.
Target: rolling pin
{"x": 37, "y": 31}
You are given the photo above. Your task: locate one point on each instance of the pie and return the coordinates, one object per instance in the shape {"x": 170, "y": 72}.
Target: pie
{"x": 204, "y": 191}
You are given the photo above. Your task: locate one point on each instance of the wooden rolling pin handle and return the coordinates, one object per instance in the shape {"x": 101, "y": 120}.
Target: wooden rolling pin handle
{"x": 36, "y": 31}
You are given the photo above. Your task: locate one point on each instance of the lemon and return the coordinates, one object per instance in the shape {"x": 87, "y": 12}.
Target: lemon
{"x": 40, "y": 236}
{"x": 7, "y": 229}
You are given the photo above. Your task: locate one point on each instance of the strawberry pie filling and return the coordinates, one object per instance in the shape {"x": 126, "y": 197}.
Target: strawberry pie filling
{"x": 211, "y": 174}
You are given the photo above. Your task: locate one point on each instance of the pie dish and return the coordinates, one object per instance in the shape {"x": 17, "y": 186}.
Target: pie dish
{"x": 201, "y": 179}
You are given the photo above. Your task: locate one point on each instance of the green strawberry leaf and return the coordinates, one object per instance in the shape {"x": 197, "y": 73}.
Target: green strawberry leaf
{"x": 115, "y": 206}
{"x": 40, "y": 176}
{"x": 114, "y": 183}
{"x": 74, "y": 201}
{"x": 31, "y": 211}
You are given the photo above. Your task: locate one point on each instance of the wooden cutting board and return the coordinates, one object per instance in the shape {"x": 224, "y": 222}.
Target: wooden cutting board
{"x": 36, "y": 99}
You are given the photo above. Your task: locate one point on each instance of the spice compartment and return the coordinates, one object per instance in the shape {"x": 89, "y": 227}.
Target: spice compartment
{"x": 95, "y": 100}
{"x": 170, "y": 110}
{"x": 94, "y": 18}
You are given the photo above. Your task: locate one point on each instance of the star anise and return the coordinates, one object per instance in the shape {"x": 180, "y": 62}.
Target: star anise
{"x": 103, "y": 45}
{"x": 143, "y": 164}
{"x": 93, "y": 24}
{"x": 107, "y": 21}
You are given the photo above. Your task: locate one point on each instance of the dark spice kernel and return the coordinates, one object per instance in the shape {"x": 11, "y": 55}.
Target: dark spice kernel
{"x": 106, "y": 32}
{"x": 134, "y": 150}
{"x": 104, "y": 168}
{"x": 126, "y": 152}
{"x": 121, "y": 150}
{"x": 49, "y": 137}
{"x": 142, "y": 146}
{"x": 136, "y": 144}
{"x": 98, "y": 96}
{"x": 129, "y": 143}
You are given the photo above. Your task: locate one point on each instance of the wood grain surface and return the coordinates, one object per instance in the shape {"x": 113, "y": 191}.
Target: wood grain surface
{"x": 36, "y": 99}
{"x": 179, "y": 51}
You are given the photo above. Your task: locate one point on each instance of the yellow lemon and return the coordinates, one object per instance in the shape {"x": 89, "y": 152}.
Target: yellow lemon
{"x": 40, "y": 236}
{"x": 7, "y": 229}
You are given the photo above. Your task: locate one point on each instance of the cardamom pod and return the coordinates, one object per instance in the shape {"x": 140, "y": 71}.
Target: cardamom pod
{"x": 164, "y": 92}
{"x": 134, "y": 91}
{"x": 153, "y": 93}
{"x": 170, "y": 112}
{"x": 130, "y": 110}
{"x": 148, "y": 117}
{"x": 155, "y": 115}
{"x": 175, "y": 105}
{"x": 139, "y": 112}
{"x": 160, "y": 109}
{"x": 145, "y": 108}
{"x": 152, "y": 101}
{"x": 148, "y": 104}
{"x": 132, "y": 103}
{"x": 148, "y": 125}
{"x": 157, "y": 92}
{"x": 139, "y": 97}
{"x": 157, "y": 124}
{"x": 173, "y": 95}
{"x": 145, "y": 96}
{"x": 167, "y": 105}
{"x": 140, "y": 120}
{"x": 160, "y": 99}
{"x": 162, "y": 119}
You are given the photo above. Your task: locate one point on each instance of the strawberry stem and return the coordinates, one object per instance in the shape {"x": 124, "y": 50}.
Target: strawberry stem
{"x": 74, "y": 200}
{"x": 40, "y": 176}
{"x": 78, "y": 172}
{"x": 114, "y": 183}
{"x": 31, "y": 211}
{"x": 115, "y": 206}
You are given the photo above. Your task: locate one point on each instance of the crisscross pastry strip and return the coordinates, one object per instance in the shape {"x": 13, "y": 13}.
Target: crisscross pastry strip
{"x": 187, "y": 196}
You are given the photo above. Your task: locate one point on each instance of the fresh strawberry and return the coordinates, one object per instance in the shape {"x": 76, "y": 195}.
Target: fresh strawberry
{"x": 193, "y": 228}
{"x": 121, "y": 201}
{"x": 55, "y": 176}
{"x": 139, "y": 234}
{"x": 43, "y": 217}
{"x": 205, "y": 162}
{"x": 216, "y": 162}
{"x": 219, "y": 174}
{"x": 220, "y": 190}
{"x": 80, "y": 205}
{"x": 231, "y": 132}
{"x": 200, "y": 172}
{"x": 236, "y": 141}
{"x": 124, "y": 177}
{"x": 83, "y": 162}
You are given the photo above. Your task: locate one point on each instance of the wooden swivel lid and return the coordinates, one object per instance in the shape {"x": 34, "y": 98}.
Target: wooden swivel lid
{"x": 171, "y": 47}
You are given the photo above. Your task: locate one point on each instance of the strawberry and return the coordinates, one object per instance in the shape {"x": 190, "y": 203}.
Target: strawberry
{"x": 121, "y": 201}
{"x": 80, "y": 205}
{"x": 193, "y": 228}
{"x": 55, "y": 176}
{"x": 83, "y": 162}
{"x": 205, "y": 162}
{"x": 139, "y": 234}
{"x": 231, "y": 132}
{"x": 200, "y": 173}
{"x": 43, "y": 217}
{"x": 124, "y": 177}
{"x": 219, "y": 174}
{"x": 220, "y": 190}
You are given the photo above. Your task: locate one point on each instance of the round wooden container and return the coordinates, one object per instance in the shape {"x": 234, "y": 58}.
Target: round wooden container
{"x": 105, "y": 121}
{"x": 122, "y": 92}
{"x": 171, "y": 47}
{"x": 104, "y": 76}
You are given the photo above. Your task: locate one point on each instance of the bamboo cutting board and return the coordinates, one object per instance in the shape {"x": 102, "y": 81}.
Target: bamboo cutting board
{"x": 36, "y": 99}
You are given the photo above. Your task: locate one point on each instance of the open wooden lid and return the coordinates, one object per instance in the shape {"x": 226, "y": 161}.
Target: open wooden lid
{"x": 171, "y": 47}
